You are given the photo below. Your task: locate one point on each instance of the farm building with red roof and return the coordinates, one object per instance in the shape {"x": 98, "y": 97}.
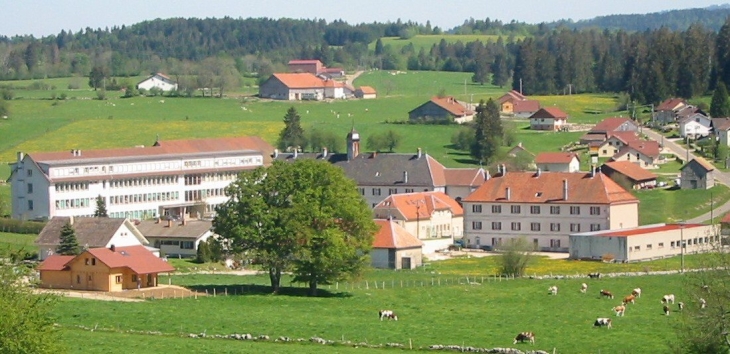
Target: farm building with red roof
{"x": 629, "y": 175}
{"x": 394, "y": 247}
{"x": 548, "y": 118}
{"x": 443, "y": 109}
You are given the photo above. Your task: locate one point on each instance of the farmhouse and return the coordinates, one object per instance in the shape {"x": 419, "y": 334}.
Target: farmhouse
{"x": 515, "y": 104}
{"x": 169, "y": 178}
{"x": 366, "y": 92}
{"x": 629, "y": 175}
{"x": 90, "y": 233}
{"x": 545, "y": 207}
{"x": 104, "y": 269}
{"x": 395, "y": 248}
{"x": 442, "y": 109}
{"x": 697, "y": 174}
{"x": 548, "y": 118}
{"x": 433, "y": 217}
{"x": 379, "y": 175}
{"x": 557, "y": 162}
{"x": 311, "y": 66}
{"x": 615, "y": 141}
{"x": 645, "y": 153}
{"x": 645, "y": 242}
{"x": 601, "y": 131}
{"x": 176, "y": 239}
{"x": 158, "y": 81}
{"x": 666, "y": 112}
{"x": 300, "y": 86}
{"x": 695, "y": 126}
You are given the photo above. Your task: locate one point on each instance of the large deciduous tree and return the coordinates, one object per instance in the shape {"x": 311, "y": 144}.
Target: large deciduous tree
{"x": 292, "y": 136}
{"x": 306, "y": 217}
{"x": 97, "y": 76}
{"x": 69, "y": 246}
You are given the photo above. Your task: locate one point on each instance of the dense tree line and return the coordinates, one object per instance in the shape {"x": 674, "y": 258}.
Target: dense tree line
{"x": 676, "y": 20}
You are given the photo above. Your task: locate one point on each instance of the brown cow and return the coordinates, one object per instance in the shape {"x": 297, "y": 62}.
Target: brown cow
{"x": 525, "y": 336}
{"x": 606, "y": 293}
{"x": 630, "y": 299}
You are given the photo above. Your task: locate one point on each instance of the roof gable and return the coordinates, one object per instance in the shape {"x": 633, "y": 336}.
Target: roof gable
{"x": 137, "y": 258}
{"x": 700, "y": 162}
{"x": 630, "y": 170}
{"x": 671, "y": 104}
{"x": 556, "y": 157}
{"x": 299, "y": 80}
{"x": 551, "y": 113}
{"x": 420, "y": 205}
{"x": 392, "y": 235}
{"x": 526, "y": 106}
{"x": 193, "y": 229}
{"x": 649, "y": 148}
{"x": 614, "y": 124}
{"x": 90, "y": 232}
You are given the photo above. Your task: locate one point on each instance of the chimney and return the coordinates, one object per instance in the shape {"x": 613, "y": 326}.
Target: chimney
{"x": 565, "y": 189}
{"x": 486, "y": 175}
{"x": 419, "y": 153}
{"x": 405, "y": 176}
{"x": 21, "y": 155}
{"x": 324, "y": 152}
{"x": 112, "y": 248}
{"x": 504, "y": 169}
{"x": 169, "y": 222}
{"x": 71, "y": 220}
{"x": 276, "y": 153}
{"x": 593, "y": 171}
{"x": 507, "y": 193}
{"x": 539, "y": 171}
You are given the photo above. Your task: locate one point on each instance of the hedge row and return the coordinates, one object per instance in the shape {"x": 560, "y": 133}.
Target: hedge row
{"x": 21, "y": 226}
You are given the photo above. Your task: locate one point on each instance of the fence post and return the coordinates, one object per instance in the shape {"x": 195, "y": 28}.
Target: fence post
{"x": 337, "y": 285}
{"x": 383, "y": 287}
{"x": 367, "y": 285}
{"x": 213, "y": 292}
{"x": 226, "y": 290}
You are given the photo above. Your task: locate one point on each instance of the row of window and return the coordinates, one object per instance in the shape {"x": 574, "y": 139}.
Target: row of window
{"x": 134, "y": 214}
{"x": 77, "y": 203}
{"x": 186, "y": 245}
{"x": 158, "y": 166}
{"x": 391, "y": 191}
{"x": 536, "y": 209}
{"x": 191, "y": 196}
{"x": 151, "y": 181}
{"x": 497, "y": 241}
{"x": 534, "y": 226}
{"x": 143, "y": 198}
{"x": 70, "y": 187}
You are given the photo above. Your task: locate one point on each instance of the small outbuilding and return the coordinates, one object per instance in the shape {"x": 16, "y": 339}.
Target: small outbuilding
{"x": 629, "y": 175}
{"x": 644, "y": 243}
{"x": 395, "y": 248}
{"x": 697, "y": 174}
{"x": 158, "y": 81}
{"x": 366, "y": 92}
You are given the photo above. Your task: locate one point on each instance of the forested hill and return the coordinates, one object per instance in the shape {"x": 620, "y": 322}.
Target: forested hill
{"x": 677, "y": 20}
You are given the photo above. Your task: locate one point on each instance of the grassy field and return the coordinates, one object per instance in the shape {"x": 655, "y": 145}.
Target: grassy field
{"x": 427, "y": 41}
{"x": 672, "y": 205}
{"x": 484, "y": 315}
{"x": 14, "y": 242}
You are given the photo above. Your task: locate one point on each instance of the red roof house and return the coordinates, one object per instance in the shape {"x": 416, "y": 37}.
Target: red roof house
{"x": 394, "y": 247}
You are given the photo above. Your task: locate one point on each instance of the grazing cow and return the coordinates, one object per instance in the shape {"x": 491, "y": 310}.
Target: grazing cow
{"x": 630, "y": 299}
{"x": 387, "y": 314}
{"x": 602, "y": 321}
{"x": 666, "y": 310}
{"x": 553, "y": 290}
{"x": 525, "y": 336}
{"x": 583, "y": 288}
{"x": 594, "y": 275}
{"x": 619, "y": 310}
{"x": 636, "y": 292}
{"x": 706, "y": 288}
{"x": 668, "y": 298}
{"x": 606, "y": 293}
{"x": 703, "y": 303}
{"x": 680, "y": 305}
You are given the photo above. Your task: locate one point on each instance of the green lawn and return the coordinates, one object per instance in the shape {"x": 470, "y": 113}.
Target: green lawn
{"x": 15, "y": 242}
{"x": 672, "y": 205}
{"x": 486, "y": 314}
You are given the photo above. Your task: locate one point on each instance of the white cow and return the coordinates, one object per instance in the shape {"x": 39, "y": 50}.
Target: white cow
{"x": 636, "y": 292}
{"x": 703, "y": 303}
{"x": 668, "y": 299}
{"x": 553, "y": 290}
{"x": 387, "y": 314}
{"x": 602, "y": 321}
{"x": 583, "y": 288}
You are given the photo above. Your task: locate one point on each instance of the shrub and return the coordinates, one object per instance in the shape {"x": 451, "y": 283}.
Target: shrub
{"x": 20, "y": 226}
{"x": 516, "y": 256}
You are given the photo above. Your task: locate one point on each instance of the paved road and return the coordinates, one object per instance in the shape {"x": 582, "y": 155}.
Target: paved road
{"x": 721, "y": 177}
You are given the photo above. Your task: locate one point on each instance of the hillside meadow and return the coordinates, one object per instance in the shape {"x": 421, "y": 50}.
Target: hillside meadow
{"x": 426, "y": 41}
{"x": 481, "y": 314}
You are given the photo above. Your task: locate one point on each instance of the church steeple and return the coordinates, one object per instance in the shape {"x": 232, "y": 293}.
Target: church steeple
{"x": 353, "y": 144}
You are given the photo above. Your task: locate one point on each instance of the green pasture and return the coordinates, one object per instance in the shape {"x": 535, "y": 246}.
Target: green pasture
{"x": 14, "y": 242}
{"x": 426, "y": 41}
{"x": 481, "y": 314}
{"x": 672, "y": 205}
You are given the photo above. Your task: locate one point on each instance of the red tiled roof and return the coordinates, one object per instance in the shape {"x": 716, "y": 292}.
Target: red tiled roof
{"x": 168, "y": 147}
{"x": 367, "y": 90}
{"x": 55, "y": 262}
{"x": 464, "y": 176}
{"x": 671, "y": 104}
{"x": 595, "y": 137}
{"x": 555, "y": 157}
{"x": 631, "y": 170}
{"x": 137, "y": 258}
{"x": 299, "y": 80}
{"x": 420, "y": 205}
{"x": 624, "y": 136}
{"x": 638, "y": 231}
{"x": 526, "y": 106}
{"x": 645, "y": 147}
{"x": 528, "y": 187}
{"x": 437, "y": 171}
{"x": 512, "y": 96}
{"x": 550, "y": 112}
{"x": 452, "y": 105}
{"x": 392, "y": 235}
{"x": 609, "y": 124}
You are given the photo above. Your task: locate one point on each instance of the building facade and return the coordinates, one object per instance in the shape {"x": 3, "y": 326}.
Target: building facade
{"x": 545, "y": 208}
{"x": 170, "y": 178}
{"x": 158, "y": 81}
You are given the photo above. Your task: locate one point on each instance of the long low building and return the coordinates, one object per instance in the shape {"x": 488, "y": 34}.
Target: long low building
{"x": 645, "y": 242}
{"x": 170, "y": 178}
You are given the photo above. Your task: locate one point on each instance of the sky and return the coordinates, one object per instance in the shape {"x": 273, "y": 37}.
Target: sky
{"x": 43, "y": 17}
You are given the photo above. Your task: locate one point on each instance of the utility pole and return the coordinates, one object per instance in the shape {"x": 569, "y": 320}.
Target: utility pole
{"x": 520, "y": 86}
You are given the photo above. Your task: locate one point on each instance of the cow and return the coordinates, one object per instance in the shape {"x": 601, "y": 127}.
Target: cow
{"x": 630, "y": 299}
{"x": 387, "y": 314}
{"x": 602, "y": 321}
{"x": 606, "y": 293}
{"x": 636, "y": 292}
{"x": 706, "y": 288}
{"x": 619, "y": 310}
{"x": 666, "y": 310}
{"x": 594, "y": 275}
{"x": 668, "y": 298}
{"x": 703, "y": 303}
{"x": 583, "y": 288}
{"x": 680, "y": 306}
{"x": 525, "y": 336}
{"x": 553, "y": 290}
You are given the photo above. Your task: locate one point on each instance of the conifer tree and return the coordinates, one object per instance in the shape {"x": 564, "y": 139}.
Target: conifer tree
{"x": 292, "y": 135}
{"x": 100, "y": 211}
{"x": 69, "y": 245}
{"x": 720, "y": 105}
